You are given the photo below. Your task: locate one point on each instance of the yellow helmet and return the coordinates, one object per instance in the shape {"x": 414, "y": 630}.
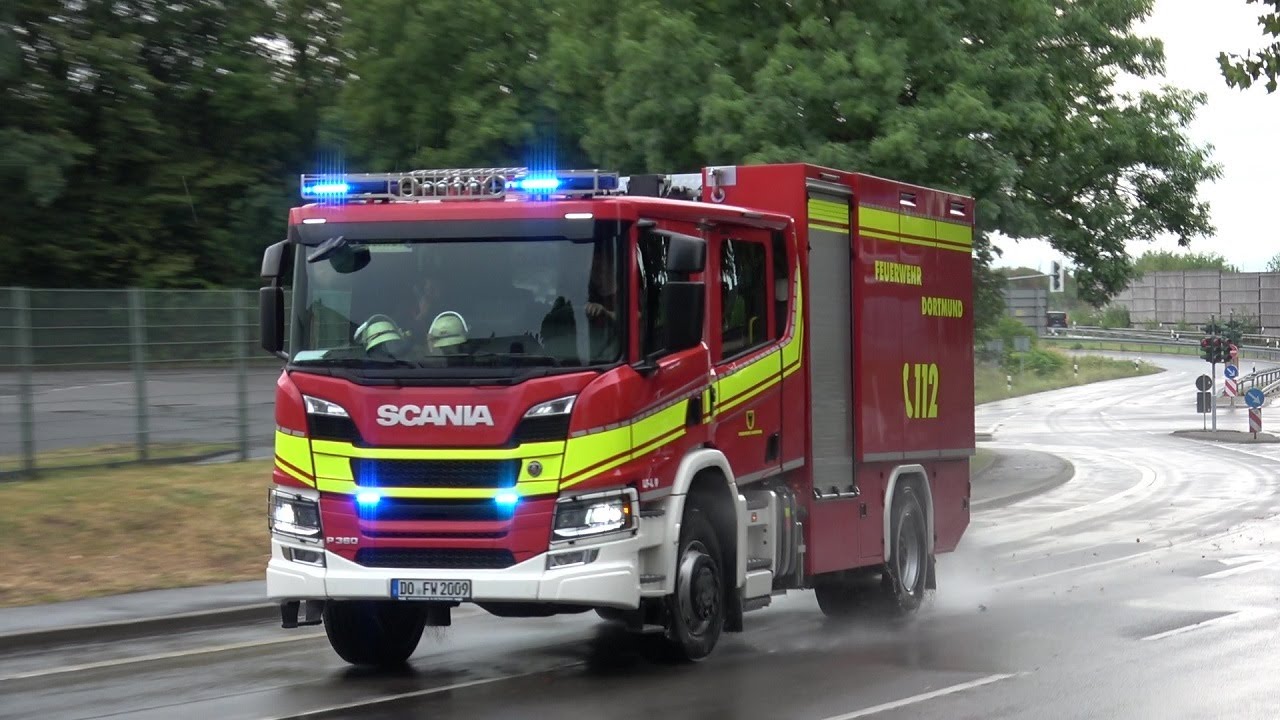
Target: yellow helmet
{"x": 447, "y": 329}
{"x": 378, "y": 330}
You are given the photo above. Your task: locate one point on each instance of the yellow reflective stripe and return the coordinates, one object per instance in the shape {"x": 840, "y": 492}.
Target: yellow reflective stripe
{"x": 829, "y": 228}
{"x": 899, "y": 239}
{"x": 523, "y": 451}
{"x": 828, "y": 211}
{"x": 923, "y": 228}
{"x": 793, "y": 349}
{"x": 295, "y": 451}
{"x": 955, "y": 233}
{"x": 294, "y": 474}
{"x": 648, "y": 429}
{"x": 587, "y": 451}
{"x": 876, "y": 219}
{"x": 333, "y": 466}
{"x": 524, "y": 489}
{"x": 748, "y": 381}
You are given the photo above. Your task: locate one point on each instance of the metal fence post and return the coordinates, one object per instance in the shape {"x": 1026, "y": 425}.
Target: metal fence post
{"x": 138, "y": 358}
{"x": 26, "y": 396}
{"x": 239, "y": 332}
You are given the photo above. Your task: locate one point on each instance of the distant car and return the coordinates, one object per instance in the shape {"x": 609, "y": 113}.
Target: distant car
{"x": 1056, "y": 319}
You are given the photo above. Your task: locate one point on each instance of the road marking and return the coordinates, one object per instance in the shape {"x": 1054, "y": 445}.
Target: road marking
{"x": 1239, "y": 616}
{"x": 952, "y": 689}
{"x": 358, "y": 704}
{"x": 1241, "y": 565}
{"x": 117, "y": 662}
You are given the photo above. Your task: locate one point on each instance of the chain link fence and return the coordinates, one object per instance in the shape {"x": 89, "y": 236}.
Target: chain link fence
{"x": 100, "y": 377}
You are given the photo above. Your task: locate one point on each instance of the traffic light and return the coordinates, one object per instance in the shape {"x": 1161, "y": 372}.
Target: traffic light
{"x": 1206, "y": 349}
{"x": 1057, "y": 277}
{"x": 1222, "y": 350}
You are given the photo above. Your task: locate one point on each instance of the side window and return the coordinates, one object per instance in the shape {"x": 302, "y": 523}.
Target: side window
{"x": 651, "y": 263}
{"x": 744, "y": 296}
{"x": 782, "y": 286}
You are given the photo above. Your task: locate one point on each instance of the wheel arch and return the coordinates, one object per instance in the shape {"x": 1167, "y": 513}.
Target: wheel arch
{"x": 705, "y": 473}
{"x": 904, "y": 474}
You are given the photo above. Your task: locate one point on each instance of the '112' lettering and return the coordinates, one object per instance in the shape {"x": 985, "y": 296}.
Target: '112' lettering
{"x": 920, "y": 389}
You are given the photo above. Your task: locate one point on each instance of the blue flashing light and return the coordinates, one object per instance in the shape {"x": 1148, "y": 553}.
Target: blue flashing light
{"x": 507, "y": 499}
{"x": 538, "y": 184}
{"x": 327, "y": 189}
{"x": 368, "y": 498}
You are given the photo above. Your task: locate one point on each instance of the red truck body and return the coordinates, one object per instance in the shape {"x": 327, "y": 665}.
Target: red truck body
{"x": 823, "y": 407}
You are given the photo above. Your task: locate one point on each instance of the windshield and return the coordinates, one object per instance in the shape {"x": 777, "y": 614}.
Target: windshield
{"x": 501, "y": 303}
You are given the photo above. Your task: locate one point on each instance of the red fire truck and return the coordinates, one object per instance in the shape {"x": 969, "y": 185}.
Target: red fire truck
{"x": 665, "y": 399}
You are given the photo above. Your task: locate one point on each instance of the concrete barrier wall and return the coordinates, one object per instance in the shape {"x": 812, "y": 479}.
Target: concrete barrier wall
{"x": 1194, "y": 296}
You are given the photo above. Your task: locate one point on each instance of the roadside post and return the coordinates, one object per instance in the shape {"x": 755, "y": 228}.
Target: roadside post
{"x": 1255, "y": 400}
{"x": 1203, "y": 398}
{"x": 1229, "y": 373}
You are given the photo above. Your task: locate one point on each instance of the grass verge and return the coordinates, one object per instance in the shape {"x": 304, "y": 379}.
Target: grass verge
{"x": 84, "y": 533}
{"x": 990, "y": 381}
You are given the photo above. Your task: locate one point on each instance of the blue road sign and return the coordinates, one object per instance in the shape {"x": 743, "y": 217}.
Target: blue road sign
{"x": 1254, "y": 398}
{"x": 1230, "y": 371}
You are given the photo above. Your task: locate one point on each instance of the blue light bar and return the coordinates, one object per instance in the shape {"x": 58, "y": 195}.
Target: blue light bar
{"x": 537, "y": 184}
{"x": 507, "y": 499}
{"x": 368, "y": 498}
{"x": 457, "y": 184}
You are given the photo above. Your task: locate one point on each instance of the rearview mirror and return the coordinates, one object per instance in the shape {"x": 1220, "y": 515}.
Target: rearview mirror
{"x": 271, "y": 319}
{"x": 273, "y": 260}
{"x": 683, "y": 310}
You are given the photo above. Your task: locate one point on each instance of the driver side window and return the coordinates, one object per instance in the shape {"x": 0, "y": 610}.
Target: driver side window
{"x": 651, "y": 264}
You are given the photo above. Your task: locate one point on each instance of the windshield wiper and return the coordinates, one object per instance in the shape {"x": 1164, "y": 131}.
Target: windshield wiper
{"x": 526, "y": 359}
{"x": 356, "y": 362}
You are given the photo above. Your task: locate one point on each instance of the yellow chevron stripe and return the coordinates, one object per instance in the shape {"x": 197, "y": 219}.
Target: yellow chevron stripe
{"x": 897, "y": 238}
{"x": 294, "y": 474}
{"x": 294, "y": 450}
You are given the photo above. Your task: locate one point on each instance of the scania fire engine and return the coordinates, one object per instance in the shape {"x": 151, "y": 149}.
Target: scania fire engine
{"x": 662, "y": 398}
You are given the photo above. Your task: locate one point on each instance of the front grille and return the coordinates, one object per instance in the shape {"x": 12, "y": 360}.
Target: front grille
{"x": 436, "y": 509}
{"x": 369, "y": 472}
{"x": 441, "y": 559}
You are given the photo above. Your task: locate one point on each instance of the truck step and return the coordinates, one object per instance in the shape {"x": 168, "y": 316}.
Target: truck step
{"x": 758, "y": 564}
{"x": 651, "y": 579}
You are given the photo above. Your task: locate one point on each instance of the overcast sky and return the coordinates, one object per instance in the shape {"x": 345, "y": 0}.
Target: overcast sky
{"x": 1243, "y": 126}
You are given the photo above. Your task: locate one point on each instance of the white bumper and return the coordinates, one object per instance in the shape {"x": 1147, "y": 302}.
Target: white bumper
{"x": 612, "y": 580}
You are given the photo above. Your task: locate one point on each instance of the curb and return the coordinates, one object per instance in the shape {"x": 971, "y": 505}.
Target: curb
{"x": 237, "y": 615}
{"x": 1055, "y": 481}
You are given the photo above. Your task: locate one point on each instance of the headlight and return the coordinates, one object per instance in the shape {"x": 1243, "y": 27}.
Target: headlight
{"x": 599, "y": 514}
{"x": 552, "y": 408}
{"x": 292, "y": 514}
{"x": 318, "y": 406}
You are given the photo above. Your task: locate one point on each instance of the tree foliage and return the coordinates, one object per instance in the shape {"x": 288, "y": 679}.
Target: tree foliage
{"x": 1243, "y": 71}
{"x": 1158, "y": 260}
{"x": 159, "y": 143}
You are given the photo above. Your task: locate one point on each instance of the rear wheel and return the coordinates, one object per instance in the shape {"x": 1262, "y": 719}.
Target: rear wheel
{"x": 697, "y": 609}
{"x": 903, "y": 583}
{"x": 377, "y": 633}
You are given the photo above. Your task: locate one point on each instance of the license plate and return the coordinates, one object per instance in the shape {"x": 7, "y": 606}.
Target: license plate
{"x": 431, "y": 589}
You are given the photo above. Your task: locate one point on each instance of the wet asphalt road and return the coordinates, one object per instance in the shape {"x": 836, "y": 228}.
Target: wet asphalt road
{"x": 1147, "y": 586}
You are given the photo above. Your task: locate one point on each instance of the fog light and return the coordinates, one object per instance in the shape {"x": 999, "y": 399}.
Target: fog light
{"x": 569, "y": 559}
{"x": 306, "y": 557}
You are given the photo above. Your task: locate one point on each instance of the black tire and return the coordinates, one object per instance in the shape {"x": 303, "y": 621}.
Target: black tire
{"x": 905, "y": 576}
{"x": 697, "y": 608}
{"x": 376, "y": 633}
{"x": 843, "y": 598}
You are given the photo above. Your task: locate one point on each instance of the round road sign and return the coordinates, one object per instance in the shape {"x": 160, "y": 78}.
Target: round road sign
{"x": 1254, "y": 398}
{"x": 1203, "y": 383}
{"x": 1231, "y": 371}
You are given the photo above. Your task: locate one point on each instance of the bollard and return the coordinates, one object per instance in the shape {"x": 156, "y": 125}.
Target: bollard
{"x": 1008, "y": 379}
{"x": 1075, "y": 367}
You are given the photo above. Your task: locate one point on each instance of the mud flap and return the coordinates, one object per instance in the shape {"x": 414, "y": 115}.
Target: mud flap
{"x": 931, "y": 574}
{"x": 734, "y": 610}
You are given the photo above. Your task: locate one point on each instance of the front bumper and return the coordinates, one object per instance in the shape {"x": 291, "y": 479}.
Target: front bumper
{"x": 612, "y": 580}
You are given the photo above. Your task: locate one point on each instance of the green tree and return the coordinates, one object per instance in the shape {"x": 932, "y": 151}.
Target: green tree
{"x": 1273, "y": 265}
{"x": 1158, "y": 260}
{"x": 1264, "y": 64}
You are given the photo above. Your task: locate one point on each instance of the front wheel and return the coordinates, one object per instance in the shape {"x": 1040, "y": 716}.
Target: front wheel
{"x": 378, "y": 633}
{"x": 697, "y": 609}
